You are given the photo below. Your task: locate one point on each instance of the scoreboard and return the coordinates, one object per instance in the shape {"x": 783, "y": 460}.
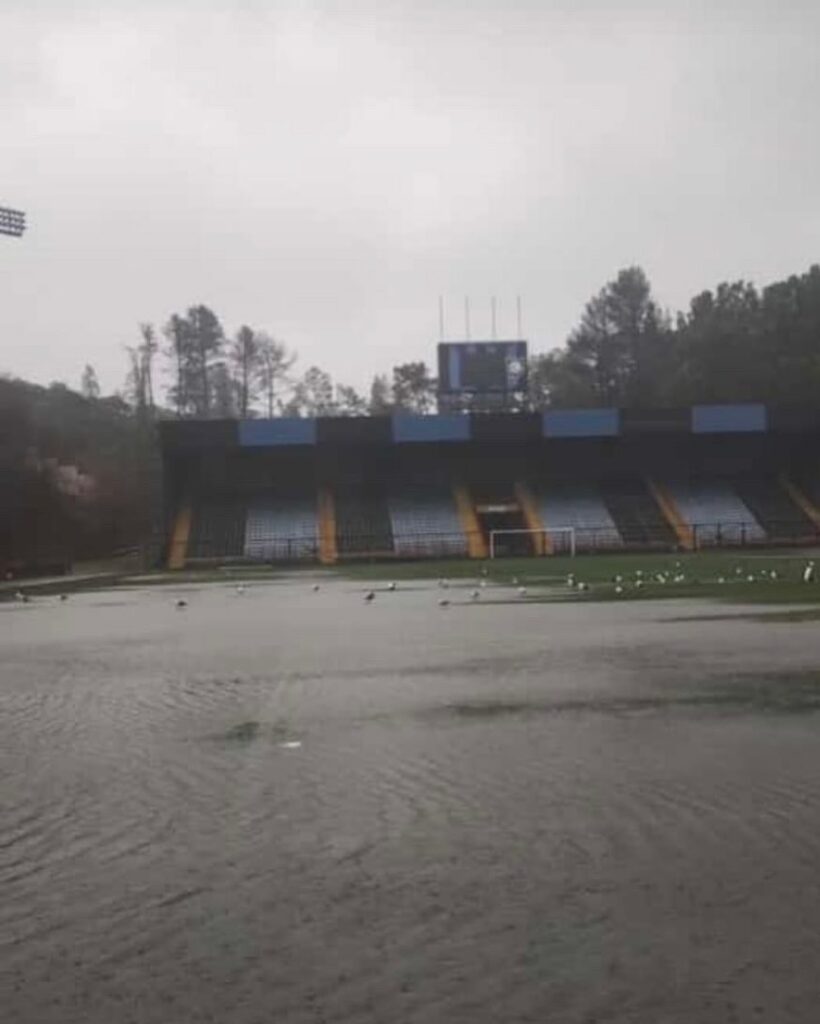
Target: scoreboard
{"x": 482, "y": 367}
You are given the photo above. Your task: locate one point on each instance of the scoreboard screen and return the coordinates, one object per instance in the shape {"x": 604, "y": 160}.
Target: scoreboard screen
{"x": 482, "y": 367}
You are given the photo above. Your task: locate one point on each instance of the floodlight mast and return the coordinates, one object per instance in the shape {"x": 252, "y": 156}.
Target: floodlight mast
{"x": 12, "y": 222}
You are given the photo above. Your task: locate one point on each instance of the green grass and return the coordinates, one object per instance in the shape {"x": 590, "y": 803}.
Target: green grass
{"x": 545, "y": 578}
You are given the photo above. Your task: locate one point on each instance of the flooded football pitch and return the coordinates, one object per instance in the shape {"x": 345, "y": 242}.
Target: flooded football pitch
{"x": 297, "y": 806}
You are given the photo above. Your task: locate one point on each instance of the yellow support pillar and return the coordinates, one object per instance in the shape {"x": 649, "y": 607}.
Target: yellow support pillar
{"x": 476, "y": 545}
{"x": 328, "y": 551}
{"x": 541, "y": 543}
{"x": 801, "y": 500}
{"x": 180, "y": 535}
{"x": 672, "y": 515}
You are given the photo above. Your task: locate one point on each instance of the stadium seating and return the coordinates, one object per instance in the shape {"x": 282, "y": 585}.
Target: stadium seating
{"x": 362, "y": 524}
{"x": 217, "y": 530}
{"x": 715, "y": 511}
{"x": 425, "y": 522}
{"x": 581, "y": 507}
{"x": 281, "y": 528}
{"x": 774, "y": 509}
{"x": 639, "y": 520}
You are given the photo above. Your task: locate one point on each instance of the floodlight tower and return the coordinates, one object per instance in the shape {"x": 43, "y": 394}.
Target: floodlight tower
{"x": 12, "y": 222}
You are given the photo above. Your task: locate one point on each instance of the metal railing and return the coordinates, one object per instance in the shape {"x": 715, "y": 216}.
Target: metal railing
{"x": 588, "y": 540}
{"x": 278, "y": 550}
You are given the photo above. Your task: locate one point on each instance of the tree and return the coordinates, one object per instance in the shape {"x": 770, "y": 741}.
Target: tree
{"x": 135, "y": 389}
{"x": 147, "y": 351}
{"x": 196, "y": 343}
{"x": 553, "y": 379}
{"x": 273, "y": 364}
{"x": 720, "y": 340}
{"x": 81, "y": 477}
{"x": 224, "y": 392}
{"x": 89, "y": 385}
{"x": 790, "y": 330}
{"x": 619, "y": 353}
{"x": 380, "y": 399}
{"x": 246, "y": 362}
{"x": 317, "y": 392}
{"x": 139, "y": 384}
{"x": 414, "y": 390}
{"x": 206, "y": 339}
{"x": 176, "y": 333}
{"x": 349, "y": 402}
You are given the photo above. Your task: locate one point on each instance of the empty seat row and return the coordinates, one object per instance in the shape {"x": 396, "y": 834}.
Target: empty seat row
{"x": 217, "y": 530}
{"x": 363, "y": 524}
{"x": 282, "y": 528}
{"x": 714, "y": 510}
{"x": 426, "y": 523}
{"x": 581, "y": 507}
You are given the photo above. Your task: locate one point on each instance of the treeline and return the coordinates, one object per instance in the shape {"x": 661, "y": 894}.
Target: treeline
{"x": 734, "y": 344}
{"x": 737, "y": 343}
{"x": 211, "y": 374}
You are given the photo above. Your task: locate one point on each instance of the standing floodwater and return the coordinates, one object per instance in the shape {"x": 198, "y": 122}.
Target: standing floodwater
{"x": 296, "y": 806}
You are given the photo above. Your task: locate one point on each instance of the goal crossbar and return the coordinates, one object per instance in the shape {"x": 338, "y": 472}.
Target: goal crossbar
{"x": 547, "y": 532}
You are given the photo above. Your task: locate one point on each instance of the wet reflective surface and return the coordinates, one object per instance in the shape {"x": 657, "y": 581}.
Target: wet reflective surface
{"x": 292, "y": 806}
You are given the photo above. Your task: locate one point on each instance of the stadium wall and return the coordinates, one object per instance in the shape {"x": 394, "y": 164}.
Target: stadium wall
{"x": 554, "y": 424}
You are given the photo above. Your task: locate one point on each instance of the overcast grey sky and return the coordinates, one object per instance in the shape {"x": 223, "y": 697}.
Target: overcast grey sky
{"x": 326, "y": 170}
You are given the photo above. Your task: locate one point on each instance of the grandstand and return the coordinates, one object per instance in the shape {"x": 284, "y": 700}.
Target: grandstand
{"x": 402, "y": 486}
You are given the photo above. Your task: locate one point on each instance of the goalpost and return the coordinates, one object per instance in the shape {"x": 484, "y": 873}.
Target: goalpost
{"x": 557, "y": 540}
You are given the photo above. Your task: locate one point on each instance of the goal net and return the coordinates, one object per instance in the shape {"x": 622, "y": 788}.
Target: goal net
{"x": 553, "y": 540}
